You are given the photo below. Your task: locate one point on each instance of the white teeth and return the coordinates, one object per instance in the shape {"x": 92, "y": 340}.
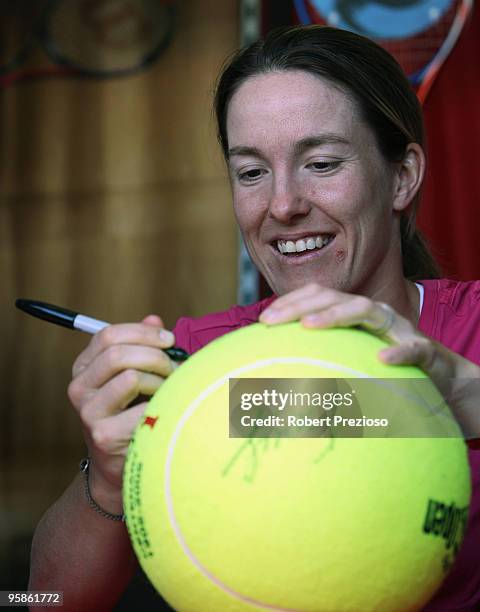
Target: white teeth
{"x": 301, "y": 245}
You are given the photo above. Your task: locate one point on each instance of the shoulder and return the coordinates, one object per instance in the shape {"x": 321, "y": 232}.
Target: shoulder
{"x": 193, "y": 333}
{"x": 456, "y": 295}
{"x": 451, "y": 315}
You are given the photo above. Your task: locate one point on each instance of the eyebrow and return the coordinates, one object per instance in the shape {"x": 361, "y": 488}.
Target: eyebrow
{"x": 317, "y": 141}
{"x": 300, "y": 147}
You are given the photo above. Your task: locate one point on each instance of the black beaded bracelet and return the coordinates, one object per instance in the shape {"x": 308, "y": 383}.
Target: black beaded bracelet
{"x": 84, "y": 467}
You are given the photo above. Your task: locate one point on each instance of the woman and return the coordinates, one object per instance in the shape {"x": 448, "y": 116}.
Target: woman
{"x": 324, "y": 144}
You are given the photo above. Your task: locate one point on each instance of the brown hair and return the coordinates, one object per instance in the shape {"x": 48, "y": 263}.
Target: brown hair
{"x": 367, "y": 72}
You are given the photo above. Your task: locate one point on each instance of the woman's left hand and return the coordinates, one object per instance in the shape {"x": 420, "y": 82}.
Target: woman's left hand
{"x": 320, "y": 307}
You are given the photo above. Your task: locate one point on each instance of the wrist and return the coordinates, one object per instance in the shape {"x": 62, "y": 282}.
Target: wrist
{"x": 101, "y": 495}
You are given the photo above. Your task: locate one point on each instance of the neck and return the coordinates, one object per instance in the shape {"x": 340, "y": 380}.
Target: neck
{"x": 389, "y": 285}
{"x": 403, "y": 296}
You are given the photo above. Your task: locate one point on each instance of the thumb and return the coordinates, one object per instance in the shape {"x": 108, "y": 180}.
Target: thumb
{"x": 154, "y": 320}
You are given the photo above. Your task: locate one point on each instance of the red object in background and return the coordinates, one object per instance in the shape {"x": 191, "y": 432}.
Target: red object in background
{"x": 448, "y": 215}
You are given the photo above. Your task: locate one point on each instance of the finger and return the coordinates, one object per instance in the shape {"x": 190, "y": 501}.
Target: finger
{"x": 335, "y": 309}
{"x": 124, "y": 333}
{"x": 455, "y": 377}
{"x": 299, "y": 304}
{"x": 376, "y": 317}
{"x": 153, "y": 319}
{"x": 354, "y": 310}
{"x": 318, "y": 307}
{"x": 113, "y": 397}
{"x": 112, "y": 435}
{"x": 124, "y": 357}
{"x": 293, "y": 296}
{"x": 422, "y": 352}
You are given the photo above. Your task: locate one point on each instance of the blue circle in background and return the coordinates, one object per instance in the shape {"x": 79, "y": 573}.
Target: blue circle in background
{"x": 379, "y": 20}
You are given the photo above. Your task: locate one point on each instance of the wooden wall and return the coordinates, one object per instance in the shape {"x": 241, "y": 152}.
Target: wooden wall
{"x": 114, "y": 201}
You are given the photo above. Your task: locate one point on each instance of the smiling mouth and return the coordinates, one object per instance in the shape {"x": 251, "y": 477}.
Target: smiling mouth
{"x": 303, "y": 246}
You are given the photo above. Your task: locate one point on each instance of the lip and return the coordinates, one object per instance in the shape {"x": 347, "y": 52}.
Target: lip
{"x": 304, "y": 257}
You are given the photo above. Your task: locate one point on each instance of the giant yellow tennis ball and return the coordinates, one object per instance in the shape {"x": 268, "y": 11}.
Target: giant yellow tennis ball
{"x": 328, "y": 524}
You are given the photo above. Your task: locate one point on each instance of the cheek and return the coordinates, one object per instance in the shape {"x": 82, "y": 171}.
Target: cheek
{"x": 248, "y": 210}
{"x": 347, "y": 198}
{"x": 339, "y": 199}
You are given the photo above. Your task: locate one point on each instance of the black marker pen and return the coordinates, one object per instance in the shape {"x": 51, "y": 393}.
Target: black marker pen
{"x": 75, "y": 320}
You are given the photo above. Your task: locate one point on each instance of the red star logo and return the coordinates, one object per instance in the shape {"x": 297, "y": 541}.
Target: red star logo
{"x": 150, "y": 421}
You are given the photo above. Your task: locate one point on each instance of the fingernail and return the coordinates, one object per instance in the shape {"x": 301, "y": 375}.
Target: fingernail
{"x": 312, "y": 318}
{"x": 166, "y": 336}
{"x": 270, "y": 315}
{"x": 387, "y": 356}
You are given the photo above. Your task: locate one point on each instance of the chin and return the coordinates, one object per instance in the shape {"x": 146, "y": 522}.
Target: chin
{"x": 288, "y": 285}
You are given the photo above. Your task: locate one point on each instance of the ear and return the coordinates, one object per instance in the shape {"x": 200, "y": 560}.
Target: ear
{"x": 410, "y": 173}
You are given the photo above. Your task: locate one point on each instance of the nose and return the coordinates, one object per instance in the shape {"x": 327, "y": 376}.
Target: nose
{"x": 287, "y": 202}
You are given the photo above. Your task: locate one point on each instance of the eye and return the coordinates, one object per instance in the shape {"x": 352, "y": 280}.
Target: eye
{"x": 323, "y": 167}
{"x": 251, "y": 175}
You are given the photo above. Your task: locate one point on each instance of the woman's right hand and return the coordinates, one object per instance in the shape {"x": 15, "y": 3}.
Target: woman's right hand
{"x": 120, "y": 363}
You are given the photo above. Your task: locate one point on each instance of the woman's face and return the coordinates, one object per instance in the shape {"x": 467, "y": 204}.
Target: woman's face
{"x": 312, "y": 194}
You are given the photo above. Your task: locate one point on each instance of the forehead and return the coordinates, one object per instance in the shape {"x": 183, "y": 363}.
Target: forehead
{"x": 294, "y": 104}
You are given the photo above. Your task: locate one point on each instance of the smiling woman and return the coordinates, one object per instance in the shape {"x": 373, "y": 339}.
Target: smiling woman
{"x": 323, "y": 140}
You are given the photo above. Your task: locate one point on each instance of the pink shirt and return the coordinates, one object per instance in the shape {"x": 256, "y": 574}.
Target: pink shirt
{"x": 451, "y": 315}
